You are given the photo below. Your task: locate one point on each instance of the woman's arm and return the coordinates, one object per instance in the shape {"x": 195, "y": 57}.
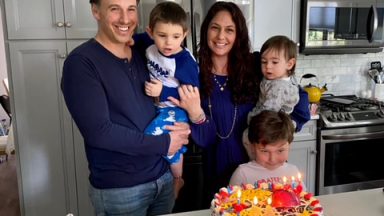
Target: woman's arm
{"x": 301, "y": 113}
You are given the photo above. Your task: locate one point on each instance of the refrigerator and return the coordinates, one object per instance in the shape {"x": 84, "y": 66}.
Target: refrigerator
{"x": 190, "y": 196}
{"x": 196, "y": 11}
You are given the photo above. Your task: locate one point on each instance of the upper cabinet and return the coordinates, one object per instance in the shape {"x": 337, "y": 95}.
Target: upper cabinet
{"x": 275, "y": 17}
{"x": 49, "y": 19}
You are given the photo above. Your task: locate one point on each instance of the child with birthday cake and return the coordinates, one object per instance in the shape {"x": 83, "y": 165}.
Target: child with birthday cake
{"x": 267, "y": 185}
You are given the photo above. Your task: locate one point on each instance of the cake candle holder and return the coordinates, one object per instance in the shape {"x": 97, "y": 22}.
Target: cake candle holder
{"x": 293, "y": 182}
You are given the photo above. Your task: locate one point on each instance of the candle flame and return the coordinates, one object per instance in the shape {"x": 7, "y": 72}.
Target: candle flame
{"x": 293, "y": 178}
{"x": 284, "y": 180}
{"x": 239, "y": 194}
{"x": 269, "y": 201}
{"x": 299, "y": 176}
{"x": 255, "y": 201}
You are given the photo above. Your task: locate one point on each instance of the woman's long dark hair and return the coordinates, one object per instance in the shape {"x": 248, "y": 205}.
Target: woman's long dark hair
{"x": 242, "y": 72}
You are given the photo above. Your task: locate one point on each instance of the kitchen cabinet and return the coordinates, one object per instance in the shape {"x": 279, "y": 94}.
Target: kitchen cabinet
{"x": 275, "y": 17}
{"x": 49, "y": 19}
{"x": 42, "y": 129}
{"x": 52, "y": 171}
{"x": 303, "y": 154}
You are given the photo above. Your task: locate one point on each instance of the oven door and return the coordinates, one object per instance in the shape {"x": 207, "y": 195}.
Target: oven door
{"x": 350, "y": 159}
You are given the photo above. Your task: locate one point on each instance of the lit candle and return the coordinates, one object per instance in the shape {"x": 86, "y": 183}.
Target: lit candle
{"x": 299, "y": 178}
{"x": 256, "y": 210}
{"x": 238, "y": 196}
{"x": 268, "y": 209}
{"x": 284, "y": 180}
{"x": 255, "y": 201}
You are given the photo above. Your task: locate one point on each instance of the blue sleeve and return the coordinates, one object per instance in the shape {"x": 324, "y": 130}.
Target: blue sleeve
{"x": 142, "y": 42}
{"x": 187, "y": 72}
{"x": 89, "y": 106}
{"x": 301, "y": 113}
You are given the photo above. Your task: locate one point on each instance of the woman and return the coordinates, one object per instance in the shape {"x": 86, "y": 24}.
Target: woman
{"x": 229, "y": 88}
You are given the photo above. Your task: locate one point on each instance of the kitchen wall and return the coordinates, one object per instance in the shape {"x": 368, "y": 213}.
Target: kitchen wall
{"x": 344, "y": 74}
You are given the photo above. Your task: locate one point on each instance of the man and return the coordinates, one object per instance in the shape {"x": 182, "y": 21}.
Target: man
{"x": 103, "y": 86}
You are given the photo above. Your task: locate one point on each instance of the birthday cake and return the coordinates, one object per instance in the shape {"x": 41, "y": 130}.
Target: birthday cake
{"x": 265, "y": 200}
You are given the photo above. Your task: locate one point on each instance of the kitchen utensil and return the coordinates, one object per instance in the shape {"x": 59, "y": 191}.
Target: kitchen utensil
{"x": 376, "y": 65}
{"x": 375, "y": 75}
{"x": 314, "y": 92}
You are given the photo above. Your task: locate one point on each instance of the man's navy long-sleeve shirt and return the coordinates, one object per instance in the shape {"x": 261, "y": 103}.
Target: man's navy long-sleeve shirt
{"x": 105, "y": 96}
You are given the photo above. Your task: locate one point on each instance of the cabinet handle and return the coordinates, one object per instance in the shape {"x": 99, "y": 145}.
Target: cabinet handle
{"x": 63, "y": 56}
{"x": 60, "y": 24}
{"x": 313, "y": 152}
{"x": 68, "y": 24}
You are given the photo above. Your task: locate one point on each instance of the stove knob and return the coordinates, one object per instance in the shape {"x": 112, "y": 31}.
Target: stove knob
{"x": 341, "y": 117}
{"x": 380, "y": 114}
{"x": 332, "y": 117}
{"x": 348, "y": 116}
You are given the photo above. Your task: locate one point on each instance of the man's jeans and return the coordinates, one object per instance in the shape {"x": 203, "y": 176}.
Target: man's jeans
{"x": 152, "y": 198}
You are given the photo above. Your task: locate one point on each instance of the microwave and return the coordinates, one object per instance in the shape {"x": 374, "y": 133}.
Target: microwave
{"x": 341, "y": 26}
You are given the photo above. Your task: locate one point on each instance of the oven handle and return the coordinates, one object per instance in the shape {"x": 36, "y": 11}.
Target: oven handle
{"x": 354, "y": 136}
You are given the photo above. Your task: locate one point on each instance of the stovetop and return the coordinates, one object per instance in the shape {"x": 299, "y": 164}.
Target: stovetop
{"x": 350, "y": 111}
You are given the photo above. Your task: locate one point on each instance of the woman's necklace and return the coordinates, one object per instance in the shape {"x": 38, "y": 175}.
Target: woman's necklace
{"x": 233, "y": 120}
{"x": 221, "y": 87}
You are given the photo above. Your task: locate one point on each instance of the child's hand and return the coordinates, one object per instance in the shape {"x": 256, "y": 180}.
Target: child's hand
{"x": 131, "y": 42}
{"x": 153, "y": 88}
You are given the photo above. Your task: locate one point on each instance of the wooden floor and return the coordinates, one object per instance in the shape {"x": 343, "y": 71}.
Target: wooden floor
{"x": 9, "y": 197}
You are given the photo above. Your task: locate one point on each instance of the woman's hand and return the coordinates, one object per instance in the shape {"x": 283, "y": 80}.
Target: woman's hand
{"x": 189, "y": 101}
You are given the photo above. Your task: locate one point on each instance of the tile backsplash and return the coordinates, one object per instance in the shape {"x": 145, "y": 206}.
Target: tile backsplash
{"x": 343, "y": 74}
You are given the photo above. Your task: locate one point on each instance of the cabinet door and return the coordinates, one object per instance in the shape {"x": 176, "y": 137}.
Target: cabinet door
{"x": 82, "y": 173}
{"x": 296, "y": 5}
{"x": 43, "y": 129}
{"x": 37, "y": 19}
{"x": 308, "y": 132}
{"x": 303, "y": 155}
{"x": 79, "y": 21}
{"x": 272, "y": 17}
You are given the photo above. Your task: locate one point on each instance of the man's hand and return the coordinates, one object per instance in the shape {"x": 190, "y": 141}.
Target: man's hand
{"x": 153, "y": 88}
{"x": 179, "y": 133}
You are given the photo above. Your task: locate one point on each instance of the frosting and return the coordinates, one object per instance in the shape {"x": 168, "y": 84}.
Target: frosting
{"x": 265, "y": 200}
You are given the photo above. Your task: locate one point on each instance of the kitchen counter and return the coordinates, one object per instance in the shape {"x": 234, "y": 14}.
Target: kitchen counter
{"x": 356, "y": 203}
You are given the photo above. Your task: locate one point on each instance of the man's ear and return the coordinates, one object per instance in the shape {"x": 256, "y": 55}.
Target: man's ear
{"x": 95, "y": 11}
{"x": 149, "y": 31}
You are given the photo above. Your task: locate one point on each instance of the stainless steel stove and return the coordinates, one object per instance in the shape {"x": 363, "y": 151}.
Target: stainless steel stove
{"x": 350, "y": 144}
{"x": 350, "y": 111}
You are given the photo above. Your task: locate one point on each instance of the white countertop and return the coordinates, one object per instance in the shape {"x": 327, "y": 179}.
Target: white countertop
{"x": 356, "y": 203}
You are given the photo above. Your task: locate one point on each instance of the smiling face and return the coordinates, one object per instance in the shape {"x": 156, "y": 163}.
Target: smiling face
{"x": 272, "y": 155}
{"x": 167, "y": 37}
{"x": 274, "y": 64}
{"x": 117, "y": 20}
{"x": 221, "y": 34}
